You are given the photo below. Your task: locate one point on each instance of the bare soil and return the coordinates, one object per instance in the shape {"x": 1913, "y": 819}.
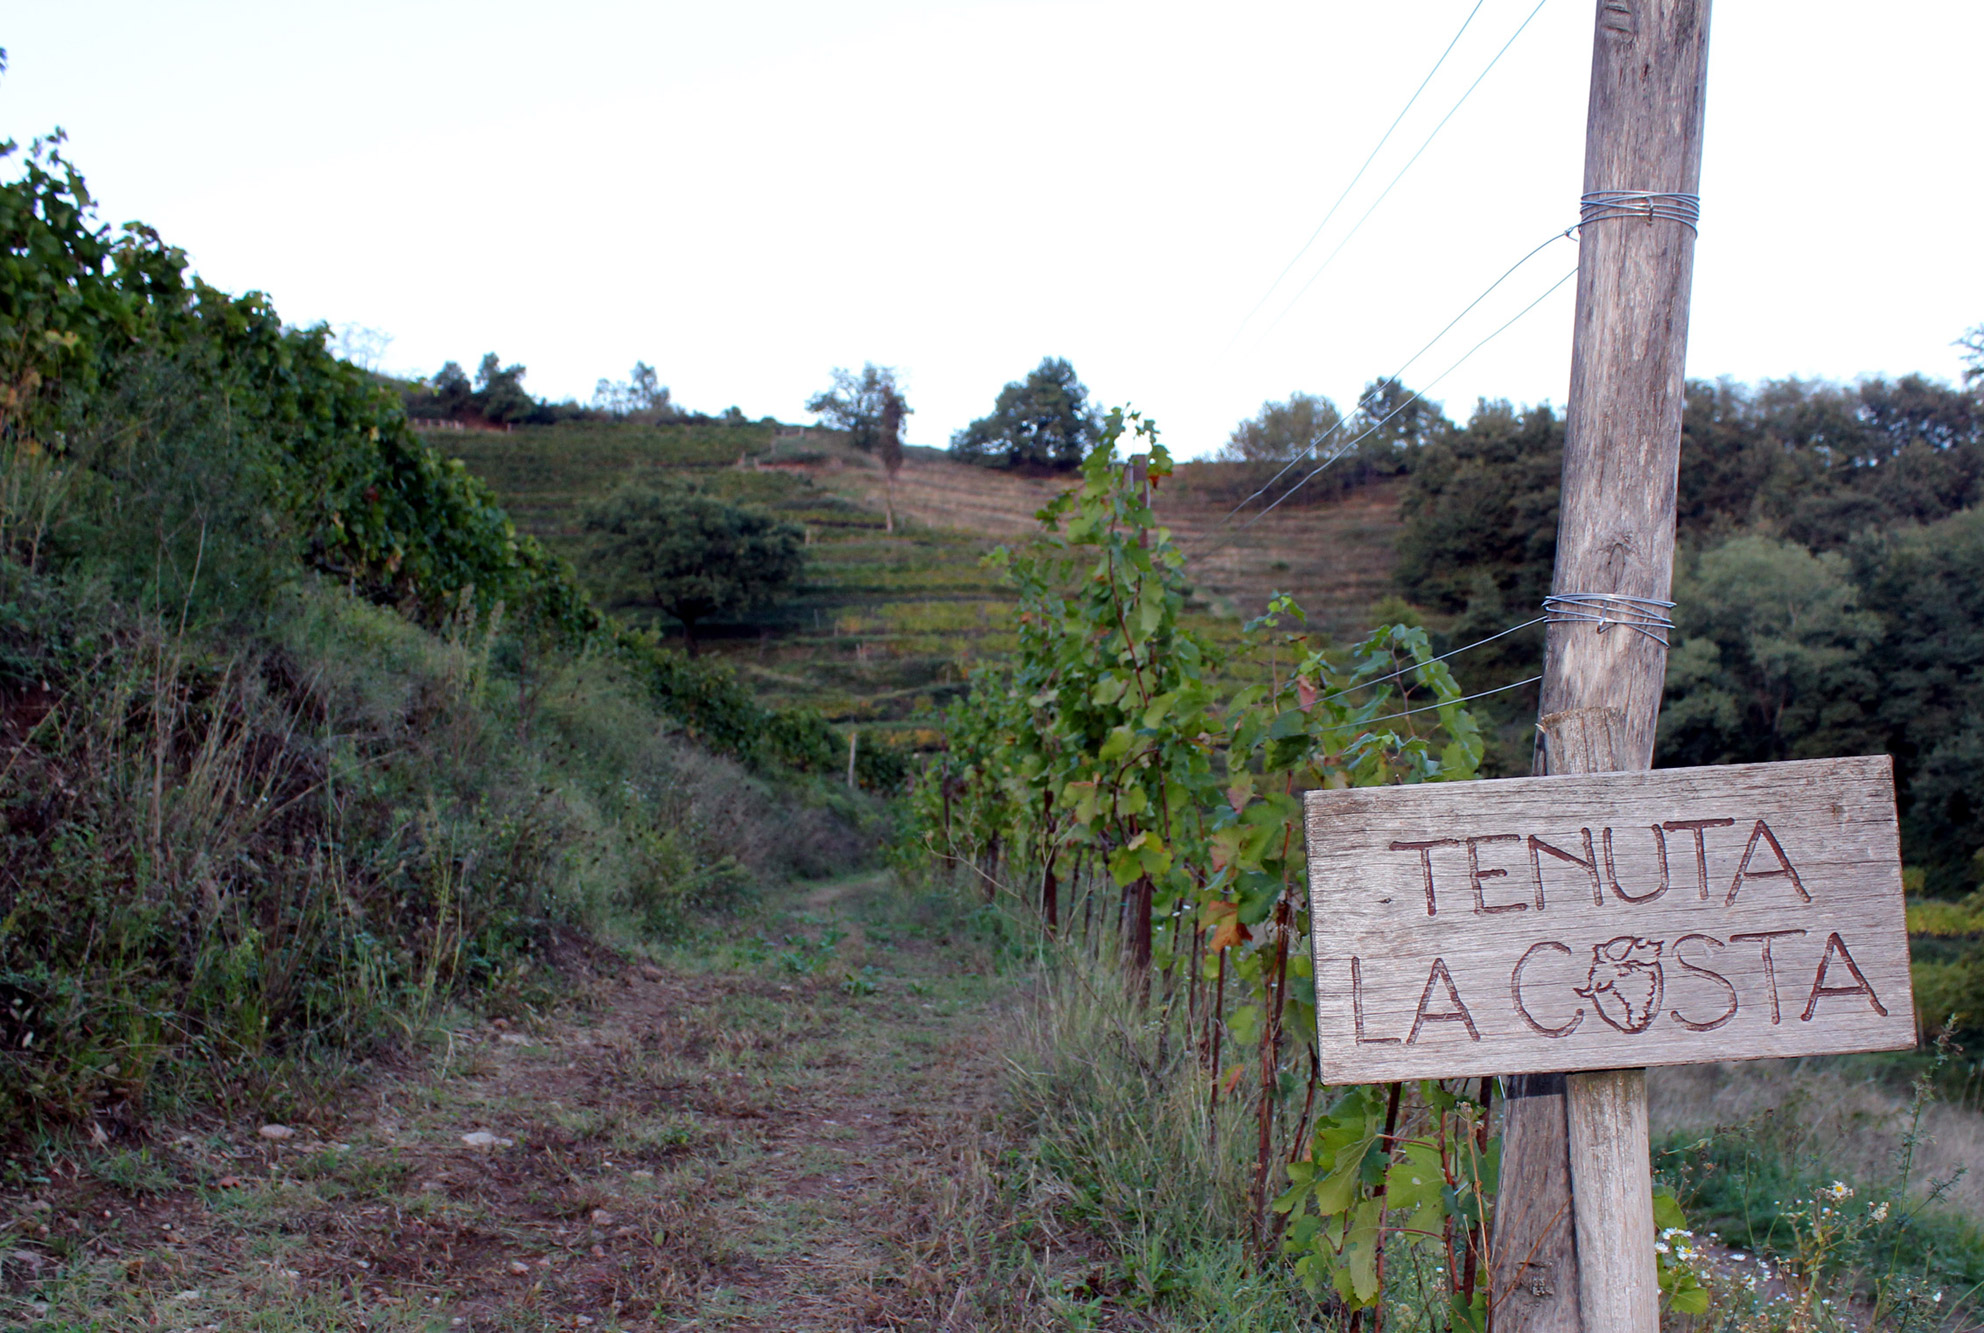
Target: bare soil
{"x": 778, "y": 1130}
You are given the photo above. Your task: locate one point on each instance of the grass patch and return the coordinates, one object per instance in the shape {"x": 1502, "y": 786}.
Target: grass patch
{"x": 1860, "y": 1195}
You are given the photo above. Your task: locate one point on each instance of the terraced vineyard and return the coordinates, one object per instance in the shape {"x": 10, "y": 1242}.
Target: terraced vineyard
{"x": 886, "y": 625}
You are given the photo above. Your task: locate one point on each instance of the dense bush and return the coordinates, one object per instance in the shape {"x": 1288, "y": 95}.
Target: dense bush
{"x": 89, "y": 320}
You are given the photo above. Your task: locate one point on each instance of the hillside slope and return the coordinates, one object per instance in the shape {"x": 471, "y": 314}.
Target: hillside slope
{"x": 1335, "y": 559}
{"x": 886, "y": 625}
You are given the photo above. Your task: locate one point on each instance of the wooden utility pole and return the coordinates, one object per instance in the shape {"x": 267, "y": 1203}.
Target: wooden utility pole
{"x": 1573, "y": 1243}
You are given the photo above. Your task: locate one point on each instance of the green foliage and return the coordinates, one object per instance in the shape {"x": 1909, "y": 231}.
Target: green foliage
{"x": 1819, "y": 463}
{"x": 1303, "y": 451}
{"x": 1676, "y": 1253}
{"x": 1041, "y": 421}
{"x": 1107, "y": 743}
{"x": 1772, "y": 657}
{"x": 1411, "y": 1181}
{"x": 549, "y": 475}
{"x": 496, "y": 397}
{"x": 228, "y": 855}
{"x": 250, "y": 819}
{"x": 869, "y": 407}
{"x": 691, "y": 554}
{"x": 1481, "y": 513}
{"x": 336, "y": 467}
{"x": 641, "y": 394}
{"x": 499, "y": 391}
{"x": 1282, "y": 430}
{"x": 1928, "y": 586}
{"x": 1808, "y": 1246}
{"x": 1118, "y": 1143}
{"x": 1829, "y": 586}
{"x": 719, "y": 713}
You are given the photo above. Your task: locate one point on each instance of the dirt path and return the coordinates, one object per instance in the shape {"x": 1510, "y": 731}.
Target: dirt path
{"x": 779, "y": 1132}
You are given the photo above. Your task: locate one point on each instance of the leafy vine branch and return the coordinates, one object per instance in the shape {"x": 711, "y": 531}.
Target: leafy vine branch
{"x": 1128, "y": 760}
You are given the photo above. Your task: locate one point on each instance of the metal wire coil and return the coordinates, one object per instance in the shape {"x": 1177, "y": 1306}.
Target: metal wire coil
{"x": 1646, "y": 615}
{"x": 1643, "y": 205}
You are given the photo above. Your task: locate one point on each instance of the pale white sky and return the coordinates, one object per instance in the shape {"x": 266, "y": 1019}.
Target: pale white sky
{"x": 747, "y": 194}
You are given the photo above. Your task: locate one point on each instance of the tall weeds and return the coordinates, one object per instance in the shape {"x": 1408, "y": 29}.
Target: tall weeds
{"x": 1129, "y": 1184}
{"x": 226, "y": 855}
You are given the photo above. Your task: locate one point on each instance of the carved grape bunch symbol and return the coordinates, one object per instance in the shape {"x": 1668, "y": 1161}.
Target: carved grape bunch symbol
{"x": 1625, "y": 982}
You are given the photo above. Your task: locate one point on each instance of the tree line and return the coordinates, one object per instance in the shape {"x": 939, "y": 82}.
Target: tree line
{"x": 495, "y": 396}
{"x": 1829, "y": 587}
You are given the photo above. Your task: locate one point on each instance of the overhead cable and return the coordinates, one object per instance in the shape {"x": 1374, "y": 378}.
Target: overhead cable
{"x": 1383, "y": 139}
{"x": 1296, "y": 299}
{"x": 1375, "y": 426}
{"x": 1395, "y": 376}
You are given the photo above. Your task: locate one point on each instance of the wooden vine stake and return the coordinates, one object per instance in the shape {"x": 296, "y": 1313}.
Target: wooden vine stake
{"x": 1558, "y": 927}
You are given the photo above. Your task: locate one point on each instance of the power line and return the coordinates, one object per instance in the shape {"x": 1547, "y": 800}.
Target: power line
{"x": 1395, "y": 375}
{"x": 1294, "y": 301}
{"x": 1452, "y": 652}
{"x": 1383, "y": 139}
{"x": 1416, "y": 395}
{"x": 1466, "y": 698}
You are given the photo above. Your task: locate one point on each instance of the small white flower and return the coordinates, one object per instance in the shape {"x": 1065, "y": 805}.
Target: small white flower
{"x": 1881, "y": 1211}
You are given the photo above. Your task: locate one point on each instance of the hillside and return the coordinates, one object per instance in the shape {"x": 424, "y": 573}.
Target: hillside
{"x": 885, "y": 625}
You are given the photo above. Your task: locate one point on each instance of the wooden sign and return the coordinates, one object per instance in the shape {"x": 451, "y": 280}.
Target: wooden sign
{"x": 1608, "y": 920}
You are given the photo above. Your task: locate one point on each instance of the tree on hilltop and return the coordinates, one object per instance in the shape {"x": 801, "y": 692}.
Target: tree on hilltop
{"x": 1042, "y": 421}
{"x": 1282, "y": 431}
{"x": 690, "y": 554}
{"x": 500, "y": 393}
{"x": 870, "y": 408}
{"x": 641, "y": 393}
{"x": 495, "y": 394}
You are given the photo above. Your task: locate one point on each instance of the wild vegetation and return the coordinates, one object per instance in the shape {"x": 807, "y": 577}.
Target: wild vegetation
{"x": 869, "y": 409}
{"x": 396, "y": 926}
{"x": 304, "y": 738}
{"x": 1143, "y": 820}
{"x": 1105, "y": 755}
{"x": 689, "y": 554}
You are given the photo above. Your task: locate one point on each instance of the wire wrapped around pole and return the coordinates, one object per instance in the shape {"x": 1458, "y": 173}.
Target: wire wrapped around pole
{"x": 1647, "y": 615}
{"x": 1640, "y": 205}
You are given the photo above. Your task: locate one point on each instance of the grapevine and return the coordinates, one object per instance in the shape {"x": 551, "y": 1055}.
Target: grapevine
{"x": 1124, "y": 760}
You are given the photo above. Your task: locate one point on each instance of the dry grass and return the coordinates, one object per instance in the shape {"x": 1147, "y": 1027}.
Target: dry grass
{"x": 1336, "y": 558}
{"x": 1849, "y": 1120}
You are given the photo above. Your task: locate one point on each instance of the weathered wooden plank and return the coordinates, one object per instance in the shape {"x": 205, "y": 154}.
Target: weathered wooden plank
{"x": 1618, "y": 1286}
{"x": 1629, "y": 346}
{"x": 1603, "y": 920}
{"x": 1535, "y": 1269}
